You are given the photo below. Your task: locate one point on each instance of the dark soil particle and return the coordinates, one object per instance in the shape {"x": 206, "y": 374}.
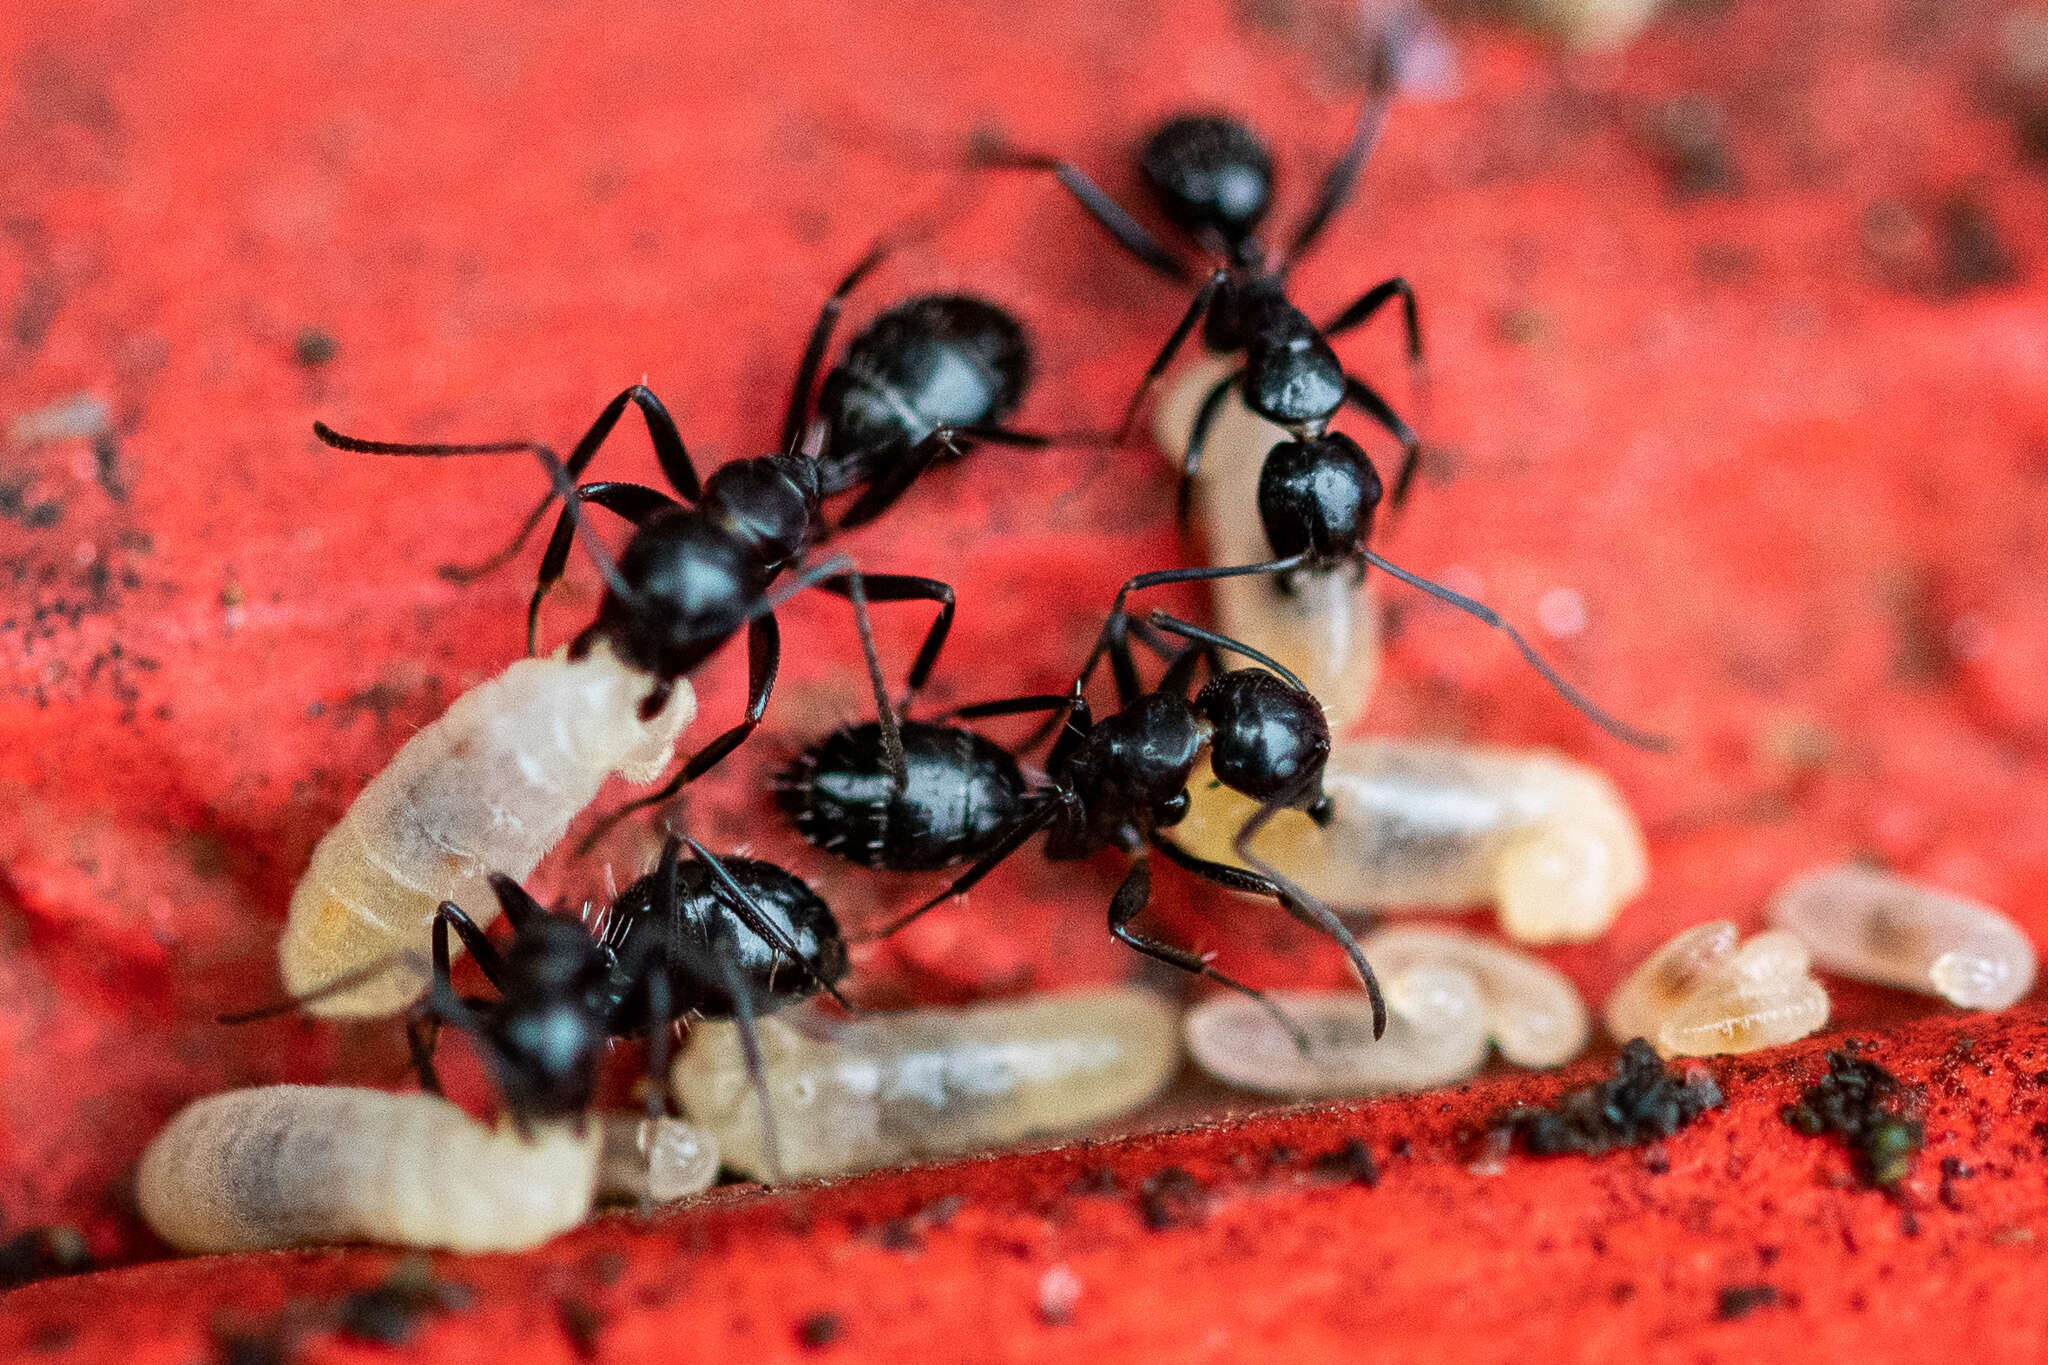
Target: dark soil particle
{"x": 1172, "y": 1198}
{"x": 581, "y": 1323}
{"x": 1740, "y": 1300}
{"x": 818, "y": 1331}
{"x": 1862, "y": 1104}
{"x": 41, "y": 1254}
{"x": 391, "y": 1313}
{"x": 1352, "y": 1162}
{"x": 1642, "y": 1103}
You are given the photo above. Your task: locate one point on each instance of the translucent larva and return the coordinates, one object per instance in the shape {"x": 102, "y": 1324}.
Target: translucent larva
{"x": 1436, "y": 1034}
{"x": 880, "y": 1089}
{"x": 659, "y": 1161}
{"x": 1430, "y": 825}
{"x": 300, "y": 1165}
{"x": 489, "y": 787}
{"x": 1862, "y": 923}
{"x": 1701, "y": 994}
{"x": 1532, "y": 1011}
{"x": 1326, "y": 627}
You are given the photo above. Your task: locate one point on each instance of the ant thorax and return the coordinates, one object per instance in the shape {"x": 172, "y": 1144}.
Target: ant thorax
{"x": 1322, "y": 625}
{"x": 489, "y": 787}
{"x": 1421, "y": 824}
{"x": 883, "y": 1089}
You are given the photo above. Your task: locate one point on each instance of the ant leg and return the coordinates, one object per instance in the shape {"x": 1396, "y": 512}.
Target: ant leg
{"x": 1198, "y": 440}
{"x": 1621, "y": 730}
{"x": 422, "y": 1037}
{"x": 1011, "y": 706}
{"x": 1110, "y": 216}
{"x": 1370, "y": 303}
{"x": 632, "y": 501}
{"x": 1361, "y": 396}
{"x": 521, "y": 909}
{"x": 1309, "y": 909}
{"x": 1198, "y": 308}
{"x": 749, "y": 912}
{"x": 1342, "y": 180}
{"x": 821, "y": 339}
{"x": 879, "y": 496}
{"x": 723, "y": 950}
{"x": 1131, "y": 898}
{"x": 764, "y": 660}
{"x": 1034, "y": 820}
{"x": 488, "y": 960}
{"x": 892, "y": 587}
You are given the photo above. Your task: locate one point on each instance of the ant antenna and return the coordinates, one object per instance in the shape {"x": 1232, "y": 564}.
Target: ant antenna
{"x": 1188, "y": 630}
{"x": 1621, "y": 730}
{"x": 340, "y": 985}
{"x": 750, "y": 913}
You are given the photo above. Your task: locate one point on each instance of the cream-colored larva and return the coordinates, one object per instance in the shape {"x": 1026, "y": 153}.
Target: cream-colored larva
{"x": 301, "y": 1165}
{"x": 1533, "y": 1012}
{"x": 1436, "y": 1034}
{"x": 1861, "y": 923}
{"x": 489, "y": 787}
{"x": 658, "y": 1161}
{"x": 1426, "y": 825}
{"x": 882, "y": 1089}
{"x": 1704, "y": 993}
{"x": 1325, "y": 628}
{"x": 1590, "y": 23}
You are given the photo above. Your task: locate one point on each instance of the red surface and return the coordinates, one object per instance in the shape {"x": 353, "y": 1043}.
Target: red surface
{"x": 1797, "y": 478}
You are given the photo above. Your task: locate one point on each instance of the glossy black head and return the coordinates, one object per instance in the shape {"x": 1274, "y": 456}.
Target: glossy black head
{"x": 963, "y": 791}
{"x": 1268, "y": 739}
{"x": 1140, "y": 758}
{"x": 548, "y": 1037}
{"x": 771, "y": 503}
{"x": 713, "y": 929}
{"x": 1318, "y": 496}
{"x": 691, "y": 586}
{"x": 934, "y": 360}
{"x": 1211, "y": 175}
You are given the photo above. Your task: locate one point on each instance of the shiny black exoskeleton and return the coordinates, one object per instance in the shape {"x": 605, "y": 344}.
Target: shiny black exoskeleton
{"x": 1115, "y": 783}
{"x": 716, "y": 938}
{"x": 925, "y": 377}
{"x": 921, "y": 383}
{"x": 964, "y": 790}
{"x": 1212, "y": 178}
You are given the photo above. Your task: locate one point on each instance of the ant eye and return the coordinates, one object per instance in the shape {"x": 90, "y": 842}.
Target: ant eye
{"x": 1172, "y": 810}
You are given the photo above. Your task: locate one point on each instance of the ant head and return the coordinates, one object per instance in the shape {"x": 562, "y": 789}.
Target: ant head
{"x": 547, "y": 1056}
{"x": 1210, "y": 174}
{"x": 1146, "y": 751}
{"x": 1269, "y": 741}
{"x": 692, "y": 587}
{"x": 770, "y": 502}
{"x": 552, "y": 955}
{"x": 1318, "y": 496}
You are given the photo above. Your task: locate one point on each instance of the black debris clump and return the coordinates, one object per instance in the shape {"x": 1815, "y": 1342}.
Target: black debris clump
{"x": 42, "y": 1253}
{"x": 1861, "y": 1103}
{"x": 1740, "y": 1300}
{"x": 314, "y": 348}
{"x": 390, "y": 1314}
{"x": 818, "y": 1331}
{"x": 1352, "y": 1163}
{"x": 1172, "y": 1198}
{"x": 1643, "y": 1102}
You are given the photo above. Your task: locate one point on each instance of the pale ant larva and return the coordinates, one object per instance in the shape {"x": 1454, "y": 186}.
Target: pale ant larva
{"x": 1707, "y": 992}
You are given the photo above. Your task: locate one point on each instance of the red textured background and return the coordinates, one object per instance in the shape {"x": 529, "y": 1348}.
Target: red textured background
{"x": 1792, "y": 461}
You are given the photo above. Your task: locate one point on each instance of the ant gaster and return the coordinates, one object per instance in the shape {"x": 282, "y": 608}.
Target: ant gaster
{"x": 1119, "y": 782}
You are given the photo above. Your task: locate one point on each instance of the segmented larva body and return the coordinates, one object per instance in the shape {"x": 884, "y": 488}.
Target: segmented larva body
{"x": 1436, "y": 1034}
{"x": 1427, "y": 825}
{"x": 1865, "y": 924}
{"x": 660, "y": 1161}
{"x": 300, "y": 1165}
{"x": 1701, "y": 994}
{"x": 489, "y": 787}
{"x": 1532, "y": 1011}
{"x": 882, "y": 1089}
{"x": 1326, "y": 629}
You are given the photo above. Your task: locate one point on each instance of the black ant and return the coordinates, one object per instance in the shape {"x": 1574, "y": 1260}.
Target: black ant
{"x": 1118, "y": 782}
{"x": 715, "y": 938}
{"x": 1212, "y": 178}
{"x": 923, "y": 379}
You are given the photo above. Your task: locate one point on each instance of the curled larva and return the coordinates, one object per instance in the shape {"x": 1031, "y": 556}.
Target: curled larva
{"x": 299, "y": 1165}
{"x": 489, "y": 787}
{"x": 658, "y": 1161}
{"x": 881, "y": 1089}
{"x": 1436, "y": 1034}
{"x": 1323, "y": 626}
{"x": 1701, "y": 994}
{"x": 1533, "y": 1012}
{"x": 1864, "y": 924}
{"x": 1424, "y": 824}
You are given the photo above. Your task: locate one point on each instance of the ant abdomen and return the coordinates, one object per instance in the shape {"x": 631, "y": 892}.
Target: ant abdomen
{"x": 300, "y": 1165}
{"x": 489, "y": 787}
{"x": 1548, "y": 842}
{"x": 1322, "y": 624}
{"x": 882, "y": 1089}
